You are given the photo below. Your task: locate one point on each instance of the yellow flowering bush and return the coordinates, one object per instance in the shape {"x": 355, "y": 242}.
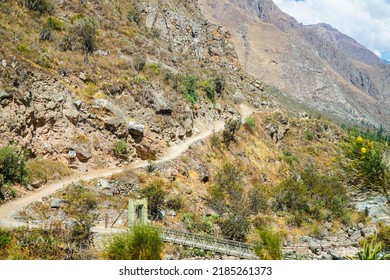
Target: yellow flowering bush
{"x": 366, "y": 164}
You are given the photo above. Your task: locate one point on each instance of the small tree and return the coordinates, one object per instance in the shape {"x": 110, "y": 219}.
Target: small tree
{"x": 269, "y": 245}
{"x": 12, "y": 166}
{"x": 81, "y": 206}
{"x": 141, "y": 243}
{"x": 231, "y": 127}
{"x": 188, "y": 88}
{"x": 81, "y": 36}
{"x": 237, "y": 225}
{"x": 41, "y": 6}
{"x": 155, "y": 195}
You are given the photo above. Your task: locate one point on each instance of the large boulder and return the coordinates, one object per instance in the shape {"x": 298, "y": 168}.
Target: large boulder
{"x": 82, "y": 152}
{"x": 136, "y": 129}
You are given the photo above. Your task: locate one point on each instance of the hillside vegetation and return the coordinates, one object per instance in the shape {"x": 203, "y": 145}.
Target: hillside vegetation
{"x": 90, "y": 85}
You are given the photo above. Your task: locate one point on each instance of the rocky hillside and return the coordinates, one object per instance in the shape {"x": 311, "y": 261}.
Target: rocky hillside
{"x": 315, "y": 64}
{"x": 113, "y": 81}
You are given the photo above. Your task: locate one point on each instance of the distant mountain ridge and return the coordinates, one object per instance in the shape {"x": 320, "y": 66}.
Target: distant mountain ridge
{"x": 315, "y": 64}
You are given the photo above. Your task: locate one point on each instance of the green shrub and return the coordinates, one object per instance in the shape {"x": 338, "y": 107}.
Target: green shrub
{"x": 269, "y": 245}
{"x": 5, "y": 238}
{"x": 219, "y": 85}
{"x": 41, "y": 6}
{"x": 289, "y": 157}
{"x": 120, "y": 149}
{"x": 250, "y": 123}
{"x": 231, "y": 127}
{"x": 139, "y": 63}
{"x": 383, "y": 236}
{"x": 257, "y": 200}
{"x": 176, "y": 202}
{"x": 313, "y": 194}
{"x": 140, "y": 243}
{"x": 229, "y": 180}
{"x": 12, "y": 165}
{"x": 151, "y": 167}
{"x": 81, "y": 36}
{"x": 134, "y": 16}
{"x": 81, "y": 207}
{"x": 188, "y": 89}
{"x": 215, "y": 141}
{"x": 210, "y": 90}
{"x": 309, "y": 135}
{"x": 39, "y": 244}
{"x": 76, "y": 17}
{"x": 156, "y": 195}
{"x": 236, "y": 226}
{"x": 367, "y": 165}
{"x": 55, "y": 23}
{"x": 23, "y": 49}
{"x": 372, "y": 251}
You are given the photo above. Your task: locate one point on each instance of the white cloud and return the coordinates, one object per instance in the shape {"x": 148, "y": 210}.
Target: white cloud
{"x": 367, "y": 21}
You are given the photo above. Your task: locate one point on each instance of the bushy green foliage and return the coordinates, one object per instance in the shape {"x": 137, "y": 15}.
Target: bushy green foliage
{"x": 367, "y": 165}
{"x": 41, "y": 6}
{"x": 188, "y": 89}
{"x": 383, "y": 236}
{"x": 236, "y": 226}
{"x": 215, "y": 141}
{"x": 156, "y": 196}
{"x": 219, "y": 85}
{"x": 309, "y": 135}
{"x": 250, "y": 123}
{"x": 227, "y": 189}
{"x": 372, "y": 251}
{"x": 12, "y": 166}
{"x": 151, "y": 167}
{"x": 140, "y": 243}
{"x": 200, "y": 224}
{"x": 81, "y": 207}
{"x": 39, "y": 244}
{"x": 139, "y": 63}
{"x": 55, "y": 23}
{"x": 210, "y": 90}
{"x": 269, "y": 245}
{"x": 257, "y": 199}
{"x": 316, "y": 195}
{"x": 5, "y": 238}
{"x": 81, "y": 36}
{"x": 134, "y": 16}
{"x": 120, "y": 149}
{"x": 176, "y": 202}
{"x": 289, "y": 157}
{"x": 231, "y": 127}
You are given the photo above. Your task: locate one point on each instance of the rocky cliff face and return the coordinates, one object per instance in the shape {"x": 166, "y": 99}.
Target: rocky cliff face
{"x": 55, "y": 101}
{"x": 315, "y": 64}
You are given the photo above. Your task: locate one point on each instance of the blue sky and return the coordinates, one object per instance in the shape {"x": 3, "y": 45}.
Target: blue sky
{"x": 367, "y": 21}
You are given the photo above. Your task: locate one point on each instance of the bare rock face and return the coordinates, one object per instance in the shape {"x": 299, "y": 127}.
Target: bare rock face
{"x": 146, "y": 150}
{"x": 82, "y": 151}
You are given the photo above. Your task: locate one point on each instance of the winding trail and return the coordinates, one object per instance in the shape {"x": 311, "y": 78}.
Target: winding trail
{"x": 10, "y": 209}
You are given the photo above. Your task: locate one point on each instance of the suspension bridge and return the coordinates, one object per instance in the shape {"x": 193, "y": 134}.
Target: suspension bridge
{"x": 138, "y": 214}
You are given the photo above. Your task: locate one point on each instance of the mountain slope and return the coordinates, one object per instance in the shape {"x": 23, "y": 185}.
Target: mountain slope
{"x": 305, "y": 63}
{"x": 90, "y": 76}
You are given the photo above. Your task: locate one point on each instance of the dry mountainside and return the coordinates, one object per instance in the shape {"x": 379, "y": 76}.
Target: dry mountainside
{"x": 246, "y": 134}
